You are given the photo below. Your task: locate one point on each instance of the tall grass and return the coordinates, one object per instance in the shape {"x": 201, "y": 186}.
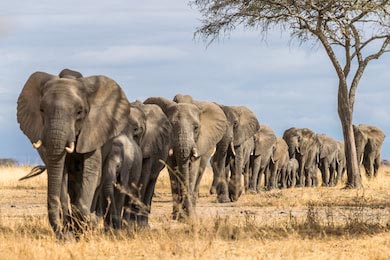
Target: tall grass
{"x": 308, "y": 223}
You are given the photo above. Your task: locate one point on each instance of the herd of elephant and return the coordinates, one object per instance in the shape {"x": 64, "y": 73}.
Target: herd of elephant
{"x": 103, "y": 154}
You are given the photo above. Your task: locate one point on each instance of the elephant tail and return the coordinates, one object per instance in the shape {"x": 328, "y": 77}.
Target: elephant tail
{"x": 37, "y": 170}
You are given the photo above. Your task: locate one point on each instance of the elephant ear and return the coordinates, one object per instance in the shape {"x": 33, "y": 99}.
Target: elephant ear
{"x": 213, "y": 124}
{"x": 247, "y": 126}
{"x": 163, "y": 103}
{"x": 179, "y": 98}
{"x": 265, "y": 138}
{"x": 137, "y": 123}
{"x": 28, "y": 108}
{"x": 108, "y": 114}
{"x": 158, "y": 131}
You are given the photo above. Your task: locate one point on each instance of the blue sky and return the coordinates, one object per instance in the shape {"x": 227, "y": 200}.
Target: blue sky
{"x": 148, "y": 47}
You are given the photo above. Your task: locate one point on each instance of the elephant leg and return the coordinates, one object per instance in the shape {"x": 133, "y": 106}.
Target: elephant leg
{"x": 222, "y": 186}
{"x": 324, "y": 167}
{"x": 283, "y": 177}
{"x": 369, "y": 165}
{"x": 246, "y": 177}
{"x": 301, "y": 174}
{"x": 91, "y": 176}
{"x": 267, "y": 175}
{"x": 175, "y": 188}
{"x": 332, "y": 174}
{"x": 272, "y": 178}
{"x": 262, "y": 172}
{"x": 202, "y": 167}
{"x": 255, "y": 174}
{"x": 109, "y": 179}
{"x": 65, "y": 201}
{"x": 377, "y": 163}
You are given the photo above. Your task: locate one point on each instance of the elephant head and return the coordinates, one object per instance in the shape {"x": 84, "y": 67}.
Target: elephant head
{"x": 67, "y": 115}
{"x": 196, "y": 129}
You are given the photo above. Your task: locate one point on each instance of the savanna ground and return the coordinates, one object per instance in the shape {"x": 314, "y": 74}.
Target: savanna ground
{"x": 304, "y": 223}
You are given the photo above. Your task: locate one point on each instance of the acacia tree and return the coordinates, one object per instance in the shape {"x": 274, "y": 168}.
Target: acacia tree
{"x": 352, "y": 32}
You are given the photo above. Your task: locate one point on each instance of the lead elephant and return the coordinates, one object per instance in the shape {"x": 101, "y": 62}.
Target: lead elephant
{"x": 242, "y": 126}
{"x": 302, "y": 145}
{"x": 153, "y": 133}
{"x": 69, "y": 120}
{"x": 328, "y": 151}
{"x": 196, "y": 129}
{"x": 369, "y": 140}
{"x": 265, "y": 140}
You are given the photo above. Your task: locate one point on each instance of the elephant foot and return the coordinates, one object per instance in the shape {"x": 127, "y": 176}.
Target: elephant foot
{"x": 223, "y": 199}
{"x": 213, "y": 190}
{"x": 324, "y": 185}
{"x": 251, "y": 191}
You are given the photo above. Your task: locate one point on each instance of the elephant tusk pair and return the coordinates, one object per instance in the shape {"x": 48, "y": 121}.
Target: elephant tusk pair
{"x": 37, "y": 144}
{"x": 232, "y": 148}
{"x": 70, "y": 149}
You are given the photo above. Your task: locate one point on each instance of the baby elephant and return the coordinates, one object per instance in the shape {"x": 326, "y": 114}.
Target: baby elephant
{"x": 291, "y": 172}
{"x": 121, "y": 172}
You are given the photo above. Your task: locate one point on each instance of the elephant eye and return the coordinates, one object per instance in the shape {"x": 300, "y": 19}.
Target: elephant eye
{"x": 196, "y": 128}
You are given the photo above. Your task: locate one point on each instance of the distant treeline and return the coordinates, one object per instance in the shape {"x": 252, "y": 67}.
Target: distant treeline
{"x": 8, "y": 162}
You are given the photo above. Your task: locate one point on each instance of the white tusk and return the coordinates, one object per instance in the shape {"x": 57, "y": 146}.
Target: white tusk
{"x": 214, "y": 150}
{"x": 232, "y": 147}
{"x": 70, "y": 149}
{"x": 170, "y": 153}
{"x": 37, "y": 144}
{"x": 195, "y": 152}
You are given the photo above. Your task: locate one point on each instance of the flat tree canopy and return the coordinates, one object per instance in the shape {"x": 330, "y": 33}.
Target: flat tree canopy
{"x": 352, "y": 32}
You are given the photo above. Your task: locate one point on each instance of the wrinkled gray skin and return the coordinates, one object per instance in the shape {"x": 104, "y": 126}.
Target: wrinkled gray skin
{"x": 341, "y": 166}
{"x": 248, "y": 148}
{"x": 242, "y": 126}
{"x": 328, "y": 150}
{"x": 153, "y": 133}
{"x": 303, "y": 146}
{"x": 278, "y": 165}
{"x": 265, "y": 140}
{"x": 122, "y": 166}
{"x": 292, "y": 172}
{"x": 369, "y": 140}
{"x": 55, "y": 112}
{"x": 196, "y": 129}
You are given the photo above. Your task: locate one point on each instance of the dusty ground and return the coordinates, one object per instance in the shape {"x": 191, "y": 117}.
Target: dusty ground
{"x": 292, "y": 223}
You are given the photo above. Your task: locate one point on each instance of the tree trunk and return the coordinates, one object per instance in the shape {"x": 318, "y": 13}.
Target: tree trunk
{"x": 345, "y": 114}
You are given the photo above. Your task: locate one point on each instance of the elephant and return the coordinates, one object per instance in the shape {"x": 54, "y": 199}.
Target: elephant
{"x": 327, "y": 157}
{"x": 242, "y": 126}
{"x": 196, "y": 129}
{"x": 369, "y": 140}
{"x": 153, "y": 133}
{"x": 122, "y": 166}
{"x": 278, "y": 164}
{"x": 292, "y": 172}
{"x": 68, "y": 120}
{"x": 340, "y": 163}
{"x": 303, "y": 146}
{"x": 265, "y": 140}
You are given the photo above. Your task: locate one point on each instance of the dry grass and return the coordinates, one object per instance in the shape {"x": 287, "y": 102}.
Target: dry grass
{"x": 304, "y": 223}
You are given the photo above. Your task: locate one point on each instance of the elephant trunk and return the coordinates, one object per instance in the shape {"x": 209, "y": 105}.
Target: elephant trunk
{"x": 55, "y": 145}
{"x": 235, "y": 188}
{"x": 185, "y": 151}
